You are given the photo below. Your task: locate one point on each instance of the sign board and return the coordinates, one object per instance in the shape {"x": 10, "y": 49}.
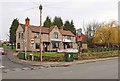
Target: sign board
{"x": 56, "y": 40}
{"x": 68, "y": 50}
{"x": 66, "y": 40}
{"x": 32, "y": 40}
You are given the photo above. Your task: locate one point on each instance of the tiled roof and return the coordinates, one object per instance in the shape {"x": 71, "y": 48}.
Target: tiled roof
{"x": 37, "y": 29}
{"x": 64, "y": 32}
{"x": 47, "y": 30}
{"x": 23, "y": 26}
{"x": 81, "y": 37}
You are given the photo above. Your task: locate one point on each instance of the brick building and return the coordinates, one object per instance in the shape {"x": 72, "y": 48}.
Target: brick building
{"x": 52, "y": 38}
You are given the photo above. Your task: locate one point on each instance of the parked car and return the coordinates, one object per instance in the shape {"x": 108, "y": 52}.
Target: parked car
{"x": 9, "y": 44}
{"x": 2, "y": 51}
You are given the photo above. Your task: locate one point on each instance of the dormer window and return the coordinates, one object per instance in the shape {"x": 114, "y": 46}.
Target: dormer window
{"x": 56, "y": 35}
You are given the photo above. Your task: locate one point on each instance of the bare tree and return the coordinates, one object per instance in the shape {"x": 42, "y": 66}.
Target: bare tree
{"x": 90, "y": 30}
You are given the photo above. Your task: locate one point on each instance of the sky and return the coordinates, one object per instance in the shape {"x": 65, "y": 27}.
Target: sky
{"x": 77, "y": 10}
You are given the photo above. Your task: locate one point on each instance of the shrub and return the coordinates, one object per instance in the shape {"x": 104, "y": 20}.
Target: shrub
{"x": 21, "y": 55}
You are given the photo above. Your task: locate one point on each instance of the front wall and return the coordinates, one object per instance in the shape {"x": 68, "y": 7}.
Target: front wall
{"x": 45, "y": 38}
{"x": 73, "y": 40}
{"x": 55, "y": 29}
{"x": 84, "y": 46}
{"x": 19, "y": 40}
{"x": 30, "y": 35}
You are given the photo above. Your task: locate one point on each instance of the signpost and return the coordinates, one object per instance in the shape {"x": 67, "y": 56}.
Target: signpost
{"x": 32, "y": 41}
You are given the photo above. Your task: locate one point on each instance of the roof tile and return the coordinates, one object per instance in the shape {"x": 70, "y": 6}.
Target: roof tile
{"x": 47, "y": 30}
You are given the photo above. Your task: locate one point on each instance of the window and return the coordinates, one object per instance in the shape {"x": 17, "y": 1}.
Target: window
{"x": 37, "y": 35}
{"x": 37, "y": 46}
{"x": 55, "y": 45}
{"x": 69, "y": 45}
{"x": 18, "y": 45}
{"x": 55, "y": 35}
{"x": 19, "y": 35}
{"x": 22, "y": 35}
{"x": 69, "y": 37}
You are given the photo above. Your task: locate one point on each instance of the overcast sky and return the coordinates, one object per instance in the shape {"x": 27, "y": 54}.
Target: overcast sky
{"x": 77, "y": 10}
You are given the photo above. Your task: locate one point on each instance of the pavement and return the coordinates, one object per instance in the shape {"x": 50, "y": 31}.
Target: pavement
{"x": 13, "y": 57}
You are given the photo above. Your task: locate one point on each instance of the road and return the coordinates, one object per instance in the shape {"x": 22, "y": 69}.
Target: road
{"x": 0, "y": 67}
{"x": 95, "y": 70}
{"x": 11, "y": 65}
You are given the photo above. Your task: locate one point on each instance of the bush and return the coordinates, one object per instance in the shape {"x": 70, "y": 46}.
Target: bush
{"x": 95, "y": 55}
{"x": 21, "y": 55}
{"x": 53, "y": 59}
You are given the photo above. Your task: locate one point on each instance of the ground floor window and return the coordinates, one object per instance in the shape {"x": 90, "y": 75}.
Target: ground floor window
{"x": 69, "y": 45}
{"x": 55, "y": 45}
{"x": 37, "y": 46}
{"x": 18, "y": 45}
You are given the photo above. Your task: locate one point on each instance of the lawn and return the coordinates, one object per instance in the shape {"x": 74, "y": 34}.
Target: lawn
{"x": 50, "y": 54}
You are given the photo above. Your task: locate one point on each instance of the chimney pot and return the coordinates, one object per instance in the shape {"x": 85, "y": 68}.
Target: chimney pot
{"x": 27, "y": 21}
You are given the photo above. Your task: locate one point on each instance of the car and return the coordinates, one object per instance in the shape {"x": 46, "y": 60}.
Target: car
{"x": 2, "y": 51}
{"x": 9, "y": 44}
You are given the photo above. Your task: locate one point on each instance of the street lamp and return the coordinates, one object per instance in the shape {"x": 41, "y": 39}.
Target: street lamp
{"x": 40, "y": 8}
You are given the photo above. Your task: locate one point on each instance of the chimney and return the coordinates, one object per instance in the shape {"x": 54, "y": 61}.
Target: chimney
{"x": 27, "y": 21}
{"x": 61, "y": 28}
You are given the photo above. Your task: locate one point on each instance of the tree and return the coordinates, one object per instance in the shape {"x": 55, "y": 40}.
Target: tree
{"x": 90, "y": 30}
{"x": 73, "y": 30}
{"x": 67, "y": 25}
{"x": 47, "y": 22}
{"x": 58, "y": 21}
{"x": 107, "y": 34}
{"x": 70, "y": 26}
{"x": 12, "y": 31}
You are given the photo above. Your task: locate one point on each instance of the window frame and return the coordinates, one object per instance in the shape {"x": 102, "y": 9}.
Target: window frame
{"x": 55, "y": 45}
{"x": 69, "y": 37}
{"x": 18, "y": 45}
{"x": 19, "y": 35}
{"x": 56, "y": 35}
{"x": 37, "y": 47}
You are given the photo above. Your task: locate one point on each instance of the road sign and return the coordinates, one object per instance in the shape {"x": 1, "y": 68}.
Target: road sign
{"x": 32, "y": 40}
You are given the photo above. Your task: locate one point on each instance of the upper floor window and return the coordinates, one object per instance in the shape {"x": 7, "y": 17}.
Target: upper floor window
{"x": 69, "y": 37}
{"x": 22, "y": 35}
{"x": 37, "y": 35}
{"x": 19, "y": 35}
{"x": 56, "y": 35}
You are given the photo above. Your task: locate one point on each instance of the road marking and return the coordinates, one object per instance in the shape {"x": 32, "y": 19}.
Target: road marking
{"x": 16, "y": 69}
{"x": 2, "y": 67}
{"x": 5, "y": 70}
{"x": 26, "y": 68}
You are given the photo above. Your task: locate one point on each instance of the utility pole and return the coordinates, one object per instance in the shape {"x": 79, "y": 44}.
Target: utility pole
{"x": 40, "y": 8}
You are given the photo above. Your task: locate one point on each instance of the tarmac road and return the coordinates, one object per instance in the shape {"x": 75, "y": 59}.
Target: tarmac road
{"x": 10, "y": 65}
{"x": 95, "y": 70}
